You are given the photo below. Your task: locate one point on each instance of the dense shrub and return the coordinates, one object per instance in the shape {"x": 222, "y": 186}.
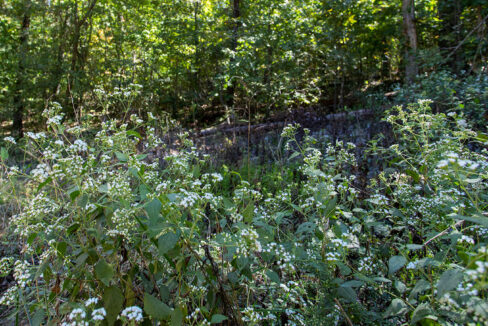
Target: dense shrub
{"x": 108, "y": 236}
{"x": 466, "y": 96}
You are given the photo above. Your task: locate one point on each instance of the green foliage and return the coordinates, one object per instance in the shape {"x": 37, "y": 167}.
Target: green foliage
{"x": 196, "y": 61}
{"x": 107, "y": 234}
{"x": 467, "y": 97}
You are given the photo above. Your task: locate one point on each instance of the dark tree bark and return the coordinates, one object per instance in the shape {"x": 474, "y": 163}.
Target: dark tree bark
{"x": 19, "y": 103}
{"x": 411, "y": 45}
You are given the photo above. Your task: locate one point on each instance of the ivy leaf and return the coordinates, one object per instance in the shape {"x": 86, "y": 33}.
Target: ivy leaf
{"x": 449, "y": 281}
{"x": 155, "y": 308}
{"x": 104, "y": 272}
{"x": 395, "y": 264}
{"x": 217, "y": 319}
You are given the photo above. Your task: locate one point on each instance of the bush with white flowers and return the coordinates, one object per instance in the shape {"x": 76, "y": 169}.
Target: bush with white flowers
{"x": 109, "y": 235}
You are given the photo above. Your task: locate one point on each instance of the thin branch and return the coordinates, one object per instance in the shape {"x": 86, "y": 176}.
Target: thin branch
{"x": 466, "y": 38}
{"x": 349, "y": 322}
{"x": 449, "y": 229}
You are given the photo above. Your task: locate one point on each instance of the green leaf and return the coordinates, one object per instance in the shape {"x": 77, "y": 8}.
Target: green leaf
{"x": 104, "y": 271}
{"x": 397, "y": 307}
{"x": 292, "y": 156}
{"x": 38, "y": 318}
{"x": 449, "y": 281}
{"x": 167, "y": 242}
{"x": 347, "y": 293}
{"x": 4, "y": 154}
{"x": 477, "y": 218}
{"x": 395, "y": 264}
{"x": 421, "y": 312}
{"x": 248, "y": 212}
{"x": 217, "y": 319}
{"x": 43, "y": 184}
{"x": 153, "y": 208}
{"x": 31, "y": 238}
{"x": 133, "y": 133}
{"x": 177, "y": 317}
{"x": 155, "y": 308}
{"x": 113, "y": 300}
{"x": 121, "y": 157}
{"x": 353, "y": 284}
{"x": 414, "y": 247}
{"x": 72, "y": 228}
{"x": 61, "y": 248}
{"x": 421, "y": 286}
{"x": 74, "y": 192}
{"x": 273, "y": 276}
{"x": 415, "y": 176}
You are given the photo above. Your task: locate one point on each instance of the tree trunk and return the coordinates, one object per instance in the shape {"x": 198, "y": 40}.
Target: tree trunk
{"x": 411, "y": 46}
{"x": 19, "y": 104}
{"x": 236, "y": 13}
{"x": 76, "y": 59}
{"x": 449, "y": 15}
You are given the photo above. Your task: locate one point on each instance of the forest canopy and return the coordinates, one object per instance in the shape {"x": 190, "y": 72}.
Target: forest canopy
{"x": 238, "y": 162}
{"x": 205, "y": 60}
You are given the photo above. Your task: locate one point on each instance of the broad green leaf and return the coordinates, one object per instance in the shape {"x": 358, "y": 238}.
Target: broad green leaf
{"x": 177, "y": 317}
{"x": 477, "y": 218}
{"x": 421, "y": 286}
{"x": 273, "y": 276}
{"x": 153, "y": 208}
{"x": 353, "y": 284}
{"x": 156, "y": 308}
{"x": 38, "y": 318}
{"x": 217, "y": 319}
{"x": 395, "y": 264}
{"x": 4, "y": 154}
{"x": 104, "y": 271}
{"x": 347, "y": 293}
{"x": 133, "y": 133}
{"x": 121, "y": 157}
{"x": 113, "y": 300}
{"x": 61, "y": 248}
{"x": 74, "y": 192}
{"x": 396, "y": 308}
{"x": 72, "y": 228}
{"x": 248, "y": 212}
{"x": 449, "y": 281}
{"x": 421, "y": 312}
{"x": 167, "y": 242}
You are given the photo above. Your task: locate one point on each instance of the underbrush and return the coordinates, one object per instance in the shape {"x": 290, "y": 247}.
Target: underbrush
{"x": 108, "y": 236}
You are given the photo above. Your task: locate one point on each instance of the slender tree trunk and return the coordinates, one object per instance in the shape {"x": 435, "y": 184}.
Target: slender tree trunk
{"x": 236, "y": 13}
{"x": 196, "y": 63}
{"x": 410, "y": 33}
{"x": 449, "y": 15}
{"x": 19, "y": 104}
{"x": 76, "y": 57}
